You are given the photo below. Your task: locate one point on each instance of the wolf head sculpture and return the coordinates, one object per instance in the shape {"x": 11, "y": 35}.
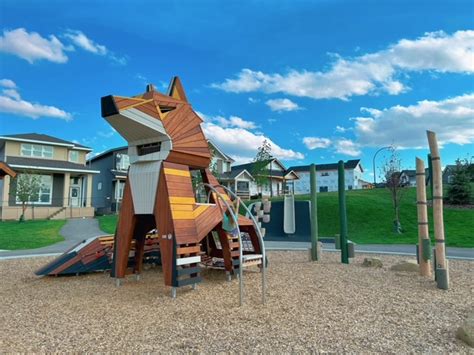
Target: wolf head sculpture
{"x": 158, "y": 128}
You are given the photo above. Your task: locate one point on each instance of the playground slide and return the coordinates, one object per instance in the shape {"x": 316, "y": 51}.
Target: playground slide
{"x": 94, "y": 254}
{"x": 289, "y": 215}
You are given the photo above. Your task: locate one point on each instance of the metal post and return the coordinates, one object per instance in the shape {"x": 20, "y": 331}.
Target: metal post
{"x": 373, "y": 162}
{"x": 314, "y": 214}
{"x": 342, "y": 213}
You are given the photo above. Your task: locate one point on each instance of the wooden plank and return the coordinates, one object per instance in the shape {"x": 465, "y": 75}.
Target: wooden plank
{"x": 177, "y": 172}
{"x": 188, "y": 250}
{"x": 182, "y": 200}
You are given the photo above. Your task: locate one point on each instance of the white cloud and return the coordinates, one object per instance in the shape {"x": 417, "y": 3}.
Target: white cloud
{"x": 405, "y": 126}
{"x": 11, "y": 102}
{"x": 253, "y": 101}
{"x": 82, "y": 41}
{"x": 316, "y": 142}
{"x": 232, "y": 121}
{"x": 347, "y": 147}
{"x": 242, "y": 144}
{"x": 369, "y": 73}
{"x": 31, "y": 46}
{"x": 282, "y": 105}
{"x": 7, "y": 83}
{"x": 13, "y": 93}
{"x": 79, "y": 39}
{"x": 340, "y": 129}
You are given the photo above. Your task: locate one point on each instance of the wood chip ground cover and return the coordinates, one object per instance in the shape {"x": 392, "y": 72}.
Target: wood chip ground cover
{"x": 324, "y": 306}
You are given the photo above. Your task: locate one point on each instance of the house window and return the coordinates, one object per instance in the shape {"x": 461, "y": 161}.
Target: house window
{"x": 74, "y": 156}
{"x": 123, "y": 162}
{"x": 45, "y": 191}
{"x": 325, "y": 174}
{"x": 323, "y": 189}
{"x": 99, "y": 186}
{"x": 36, "y": 151}
{"x": 119, "y": 189}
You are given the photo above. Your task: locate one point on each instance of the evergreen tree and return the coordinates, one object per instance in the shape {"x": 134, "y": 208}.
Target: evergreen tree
{"x": 261, "y": 160}
{"x": 459, "y": 191}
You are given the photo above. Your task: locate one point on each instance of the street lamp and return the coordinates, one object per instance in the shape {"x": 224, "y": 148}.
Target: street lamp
{"x": 373, "y": 161}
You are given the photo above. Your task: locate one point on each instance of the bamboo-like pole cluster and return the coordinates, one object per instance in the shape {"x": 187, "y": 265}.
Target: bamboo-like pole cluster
{"x": 441, "y": 267}
{"x": 424, "y": 243}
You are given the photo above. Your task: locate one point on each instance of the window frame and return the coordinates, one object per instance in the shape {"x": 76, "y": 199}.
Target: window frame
{"x": 50, "y": 187}
{"x": 45, "y": 151}
{"x": 75, "y": 153}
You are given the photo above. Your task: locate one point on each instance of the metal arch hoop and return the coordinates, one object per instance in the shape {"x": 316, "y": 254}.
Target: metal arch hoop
{"x": 234, "y": 216}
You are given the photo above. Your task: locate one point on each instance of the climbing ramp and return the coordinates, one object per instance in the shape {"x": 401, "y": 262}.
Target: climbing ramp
{"x": 95, "y": 254}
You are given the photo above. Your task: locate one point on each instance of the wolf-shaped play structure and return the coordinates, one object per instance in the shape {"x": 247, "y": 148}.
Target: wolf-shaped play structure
{"x": 165, "y": 145}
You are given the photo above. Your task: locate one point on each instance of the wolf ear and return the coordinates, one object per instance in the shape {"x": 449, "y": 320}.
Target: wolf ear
{"x": 176, "y": 90}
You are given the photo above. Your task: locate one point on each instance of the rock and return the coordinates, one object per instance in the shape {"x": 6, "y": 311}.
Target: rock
{"x": 466, "y": 330}
{"x": 408, "y": 265}
{"x": 372, "y": 262}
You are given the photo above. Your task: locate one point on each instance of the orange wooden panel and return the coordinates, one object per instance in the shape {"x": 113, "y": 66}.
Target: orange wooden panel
{"x": 188, "y": 250}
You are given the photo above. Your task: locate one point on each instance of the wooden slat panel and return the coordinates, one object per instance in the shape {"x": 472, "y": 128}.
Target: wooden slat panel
{"x": 188, "y": 250}
{"x": 188, "y": 260}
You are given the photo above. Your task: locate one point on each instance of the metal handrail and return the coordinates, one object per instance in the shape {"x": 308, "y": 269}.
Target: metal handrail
{"x": 234, "y": 215}
{"x": 236, "y": 221}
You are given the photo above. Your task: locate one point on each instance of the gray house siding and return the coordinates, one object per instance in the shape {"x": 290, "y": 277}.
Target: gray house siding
{"x": 103, "y": 199}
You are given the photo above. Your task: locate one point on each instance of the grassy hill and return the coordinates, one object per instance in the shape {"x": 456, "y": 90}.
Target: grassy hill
{"x": 370, "y": 218}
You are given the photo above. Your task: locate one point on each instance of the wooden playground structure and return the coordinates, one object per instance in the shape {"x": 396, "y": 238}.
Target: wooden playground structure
{"x": 166, "y": 145}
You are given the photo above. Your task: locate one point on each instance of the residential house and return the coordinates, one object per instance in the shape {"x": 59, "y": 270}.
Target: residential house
{"x": 280, "y": 179}
{"x": 66, "y": 181}
{"x": 408, "y": 178}
{"x": 108, "y": 186}
{"x": 327, "y": 177}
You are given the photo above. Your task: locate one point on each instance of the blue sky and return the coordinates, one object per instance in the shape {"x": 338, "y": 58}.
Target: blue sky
{"x": 322, "y": 80}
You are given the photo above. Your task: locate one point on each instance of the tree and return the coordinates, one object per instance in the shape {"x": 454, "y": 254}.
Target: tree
{"x": 392, "y": 172}
{"x": 261, "y": 160}
{"x": 459, "y": 190}
{"x": 26, "y": 187}
{"x": 213, "y": 165}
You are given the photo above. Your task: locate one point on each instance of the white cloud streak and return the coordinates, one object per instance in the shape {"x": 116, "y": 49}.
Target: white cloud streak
{"x": 371, "y": 73}
{"x": 315, "y": 142}
{"x": 31, "y": 46}
{"x": 239, "y": 142}
{"x": 282, "y": 105}
{"x": 12, "y": 103}
{"x": 405, "y": 126}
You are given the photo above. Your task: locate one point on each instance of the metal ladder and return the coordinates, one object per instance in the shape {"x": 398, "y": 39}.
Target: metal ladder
{"x": 242, "y": 258}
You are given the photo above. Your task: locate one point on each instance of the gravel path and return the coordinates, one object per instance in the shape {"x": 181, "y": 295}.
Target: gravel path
{"x": 323, "y": 306}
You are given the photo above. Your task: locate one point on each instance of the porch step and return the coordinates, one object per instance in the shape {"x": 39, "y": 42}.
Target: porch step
{"x": 51, "y": 216}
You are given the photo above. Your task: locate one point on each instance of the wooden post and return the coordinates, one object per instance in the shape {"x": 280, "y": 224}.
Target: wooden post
{"x": 314, "y": 214}
{"x": 342, "y": 213}
{"x": 424, "y": 247}
{"x": 442, "y": 276}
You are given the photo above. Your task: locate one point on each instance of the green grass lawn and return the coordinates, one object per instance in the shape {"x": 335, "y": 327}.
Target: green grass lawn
{"x": 108, "y": 223}
{"x": 29, "y": 234}
{"x": 370, "y": 218}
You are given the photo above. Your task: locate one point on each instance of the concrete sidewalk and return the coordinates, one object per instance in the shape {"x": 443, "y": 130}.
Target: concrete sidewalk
{"x": 397, "y": 249}
{"x": 74, "y": 231}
